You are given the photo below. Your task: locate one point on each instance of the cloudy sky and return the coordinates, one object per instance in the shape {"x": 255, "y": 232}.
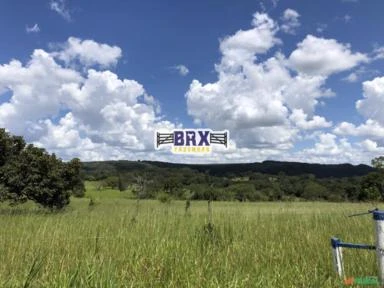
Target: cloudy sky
{"x": 291, "y": 80}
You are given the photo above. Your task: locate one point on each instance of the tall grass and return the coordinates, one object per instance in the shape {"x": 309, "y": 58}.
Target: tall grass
{"x": 252, "y": 245}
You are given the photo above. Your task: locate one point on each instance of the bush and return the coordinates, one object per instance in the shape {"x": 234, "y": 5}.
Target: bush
{"x": 37, "y": 176}
{"x": 79, "y": 190}
{"x": 164, "y": 197}
{"x": 30, "y": 173}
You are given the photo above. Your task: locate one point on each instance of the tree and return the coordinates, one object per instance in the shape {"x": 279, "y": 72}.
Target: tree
{"x": 10, "y": 149}
{"x": 243, "y": 191}
{"x": 314, "y": 190}
{"x": 141, "y": 186}
{"x": 172, "y": 185}
{"x": 10, "y": 146}
{"x": 36, "y": 175}
{"x": 372, "y": 186}
{"x": 378, "y": 163}
{"x": 71, "y": 176}
{"x": 31, "y": 173}
{"x": 110, "y": 182}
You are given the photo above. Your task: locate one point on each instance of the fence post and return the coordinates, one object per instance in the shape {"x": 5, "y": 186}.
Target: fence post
{"x": 337, "y": 254}
{"x": 378, "y": 216}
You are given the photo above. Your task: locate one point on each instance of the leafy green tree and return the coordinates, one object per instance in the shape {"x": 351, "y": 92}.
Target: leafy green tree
{"x": 10, "y": 149}
{"x": 336, "y": 190}
{"x": 36, "y": 175}
{"x": 352, "y": 188}
{"x": 378, "y": 163}
{"x": 372, "y": 186}
{"x": 31, "y": 173}
{"x": 10, "y": 146}
{"x": 243, "y": 191}
{"x": 314, "y": 190}
{"x": 71, "y": 176}
{"x": 172, "y": 185}
{"x": 110, "y": 182}
{"x": 370, "y": 193}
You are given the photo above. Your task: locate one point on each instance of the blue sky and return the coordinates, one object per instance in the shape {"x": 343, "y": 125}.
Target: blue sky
{"x": 290, "y": 80}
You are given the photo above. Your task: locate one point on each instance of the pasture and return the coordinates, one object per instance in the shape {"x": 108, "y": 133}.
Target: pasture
{"x": 270, "y": 244}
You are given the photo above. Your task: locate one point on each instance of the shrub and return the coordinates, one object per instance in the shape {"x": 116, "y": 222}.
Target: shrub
{"x": 164, "y": 197}
{"x": 31, "y": 173}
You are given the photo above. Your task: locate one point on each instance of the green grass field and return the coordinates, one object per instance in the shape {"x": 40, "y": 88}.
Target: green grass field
{"x": 252, "y": 245}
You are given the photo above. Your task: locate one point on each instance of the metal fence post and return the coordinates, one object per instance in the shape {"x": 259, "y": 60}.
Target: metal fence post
{"x": 378, "y": 216}
{"x": 337, "y": 254}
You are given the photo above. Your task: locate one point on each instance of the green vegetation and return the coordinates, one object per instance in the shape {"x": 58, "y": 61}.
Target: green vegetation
{"x": 30, "y": 173}
{"x": 100, "y": 170}
{"x": 157, "y": 180}
{"x": 281, "y": 244}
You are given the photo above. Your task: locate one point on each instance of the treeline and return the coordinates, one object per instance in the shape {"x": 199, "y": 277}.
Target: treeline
{"x": 108, "y": 168}
{"x": 31, "y": 173}
{"x": 156, "y": 181}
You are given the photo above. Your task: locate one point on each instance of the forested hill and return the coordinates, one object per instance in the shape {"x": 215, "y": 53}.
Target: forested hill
{"x": 107, "y": 168}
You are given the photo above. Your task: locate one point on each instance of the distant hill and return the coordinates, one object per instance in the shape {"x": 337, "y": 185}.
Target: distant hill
{"x": 231, "y": 170}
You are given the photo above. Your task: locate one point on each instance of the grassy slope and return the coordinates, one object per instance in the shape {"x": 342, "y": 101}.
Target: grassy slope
{"x": 254, "y": 245}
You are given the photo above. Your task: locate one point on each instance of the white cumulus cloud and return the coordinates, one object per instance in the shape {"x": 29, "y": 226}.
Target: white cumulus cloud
{"x": 370, "y": 128}
{"x": 299, "y": 118}
{"x": 291, "y": 21}
{"x": 328, "y": 148}
{"x": 371, "y": 146}
{"x": 371, "y": 106}
{"x": 378, "y": 53}
{"x": 87, "y": 53}
{"x": 262, "y": 103}
{"x": 94, "y": 115}
{"x": 244, "y": 45}
{"x": 320, "y": 56}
